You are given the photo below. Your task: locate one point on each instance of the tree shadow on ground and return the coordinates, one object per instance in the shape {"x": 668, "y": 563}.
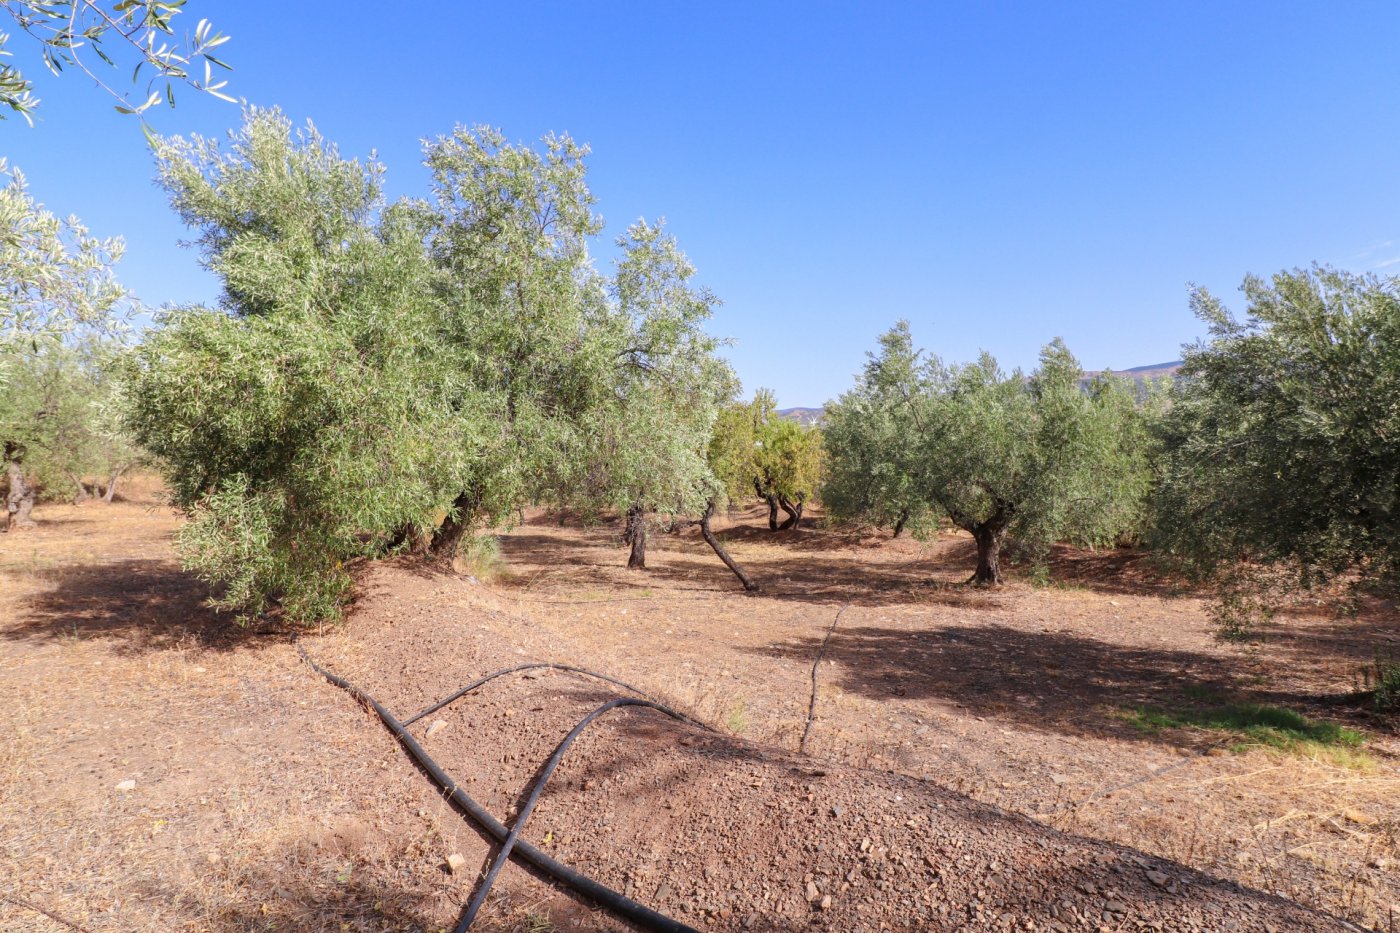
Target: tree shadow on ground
{"x": 1334, "y": 657}
{"x": 804, "y": 539}
{"x": 1117, "y": 571}
{"x": 17, "y": 537}
{"x": 1318, "y": 633}
{"x": 299, "y": 888}
{"x": 1051, "y": 681}
{"x": 552, "y": 551}
{"x": 779, "y": 573}
{"x": 146, "y": 604}
{"x": 933, "y": 579}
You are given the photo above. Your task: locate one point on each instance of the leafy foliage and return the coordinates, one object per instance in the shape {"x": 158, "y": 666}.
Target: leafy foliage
{"x": 753, "y": 450}
{"x": 647, "y": 448}
{"x": 1281, "y": 450}
{"x": 730, "y": 452}
{"x": 307, "y": 420}
{"x": 57, "y": 289}
{"x": 1037, "y": 457}
{"x": 788, "y": 459}
{"x": 117, "y": 34}
{"x": 866, "y": 477}
{"x": 527, "y": 325}
{"x": 55, "y": 277}
{"x": 374, "y": 368}
{"x": 62, "y": 408}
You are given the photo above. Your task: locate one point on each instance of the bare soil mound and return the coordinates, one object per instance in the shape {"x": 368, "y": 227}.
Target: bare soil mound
{"x": 729, "y": 835}
{"x": 162, "y": 769}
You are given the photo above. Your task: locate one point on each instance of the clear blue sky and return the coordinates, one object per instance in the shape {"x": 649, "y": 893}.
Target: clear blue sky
{"x": 998, "y": 173}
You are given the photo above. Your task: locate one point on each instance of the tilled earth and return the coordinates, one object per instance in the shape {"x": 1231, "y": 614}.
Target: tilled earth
{"x": 729, "y": 835}
{"x": 161, "y": 770}
{"x": 1027, "y": 698}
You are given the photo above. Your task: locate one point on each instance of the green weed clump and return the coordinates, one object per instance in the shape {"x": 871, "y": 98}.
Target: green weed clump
{"x": 480, "y": 556}
{"x": 1382, "y": 681}
{"x": 1269, "y": 727}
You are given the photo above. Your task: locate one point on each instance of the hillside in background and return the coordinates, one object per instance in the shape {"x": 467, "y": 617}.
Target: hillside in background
{"x": 803, "y": 416}
{"x": 1139, "y": 374}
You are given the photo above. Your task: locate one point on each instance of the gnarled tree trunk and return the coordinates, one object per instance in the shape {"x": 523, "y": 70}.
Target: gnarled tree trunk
{"x": 416, "y": 538}
{"x": 794, "y": 513}
{"x": 772, "y": 502}
{"x": 713, "y": 542}
{"x": 448, "y": 537}
{"x": 20, "y": 501}
{"x": 112, "y": 484}
{"x": 80, "y": 490}
{"x": 635, "y": 534}
{"x": 988, "y": 540}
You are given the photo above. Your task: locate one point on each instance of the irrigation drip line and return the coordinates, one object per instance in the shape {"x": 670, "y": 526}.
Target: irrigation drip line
{"x": 812, "y": 705}
{"x": 1140, "y": 779}
{"x": 599, "y": 893}
{"x": 27, "y": 905}
{"x": 548, "y": 771}
{"x": 429, "y": 710}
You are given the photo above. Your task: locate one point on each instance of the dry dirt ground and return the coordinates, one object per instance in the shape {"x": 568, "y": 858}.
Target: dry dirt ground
{"x": 970, "y": 761}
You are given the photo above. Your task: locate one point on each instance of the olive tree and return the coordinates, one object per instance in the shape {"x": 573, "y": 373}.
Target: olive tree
{"x": 1036, "y": 456}
{"x": 647, "y": 444}
{"x": 57, "y": 285}
{"x": 136, "y": 34}
{"x": 307, "y": 419}
{"x": 385, "y": 378}
{"x": 64, "y": 401}
{"x": 775, "y": 458}
{"x": 788, "y": 463}
{"x": 865, "y": 476}
{"x": 1281, "y": 448}
{"x": 528, "y": 322}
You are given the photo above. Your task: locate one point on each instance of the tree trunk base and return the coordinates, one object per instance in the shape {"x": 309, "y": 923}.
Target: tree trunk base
{"x": 635, "y": 534}
{"x": 20, "y": 502}
{"x": 985, "y": 579}
{"x": 794, "y": 514}
{"x": 988, "y": 540}
{"x": 442, "y": 553}
{"x": 713, "y": 542}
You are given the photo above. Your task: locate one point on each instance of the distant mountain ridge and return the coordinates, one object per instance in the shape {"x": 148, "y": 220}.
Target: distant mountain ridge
{"x": 1152, "y": 371}
{"x": 803, "y": 416}
{"x": 1139, "y": 374}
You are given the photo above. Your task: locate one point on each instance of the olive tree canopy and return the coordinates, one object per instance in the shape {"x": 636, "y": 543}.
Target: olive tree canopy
{"x": 131, "y": 34}
{"x": 1037, "y": 456}
{"x": 390, "y": 377}
{"x": 57, "y": 289}
{"x": 1282, "y": 445}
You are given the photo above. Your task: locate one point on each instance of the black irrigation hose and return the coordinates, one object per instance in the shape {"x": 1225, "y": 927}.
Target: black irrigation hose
{"x": 428, "y": 711}
{"x": 812, "y": 706}
{"x": 504, "y": 855}
{"x": 1152, "y": 775}
{"x": 606, "y": 897}
{"x": 27, "y": 905}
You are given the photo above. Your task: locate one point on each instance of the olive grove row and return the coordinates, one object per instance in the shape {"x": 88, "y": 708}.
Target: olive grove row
{"x": 384, "y": 378}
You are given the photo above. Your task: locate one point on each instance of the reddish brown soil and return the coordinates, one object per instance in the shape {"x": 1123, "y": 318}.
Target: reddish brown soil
{"x": 1020, "y": 697}
{"x": 266, "y": 799}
